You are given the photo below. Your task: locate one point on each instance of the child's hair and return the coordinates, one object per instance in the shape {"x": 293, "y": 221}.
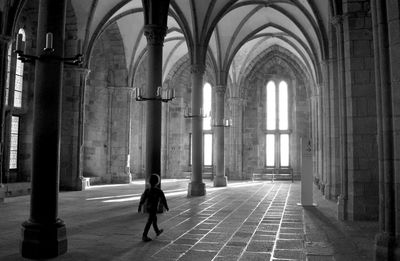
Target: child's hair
{"x": 154, "y": 180}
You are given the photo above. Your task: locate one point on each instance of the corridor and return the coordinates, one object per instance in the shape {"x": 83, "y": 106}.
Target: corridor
{"x": 243, "y": 221}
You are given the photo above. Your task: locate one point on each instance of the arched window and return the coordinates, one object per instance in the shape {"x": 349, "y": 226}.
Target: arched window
{"x": 16, "y": 103}
{"x": 8, "y": 73}
{"x": 277, "y": 125}
{"x": 19, "y": 77}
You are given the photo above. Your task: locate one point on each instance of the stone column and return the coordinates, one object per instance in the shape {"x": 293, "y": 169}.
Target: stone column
{"x": 196, "y": 186}
{"x": 5, "y": 41}
{"x": 386, "y": 244}
{"x": 342, "y": 200}
{"x": 128, "y": 138}
{"x": 71, "y": 172}
{"x": 220, "y": 179}
{"x": 236, "y": 137}
{"x": 44, "y": 234}
{"x": 118, "y": 137}
{"x": 164, "y": 140}
{"x": 155, "y": 38}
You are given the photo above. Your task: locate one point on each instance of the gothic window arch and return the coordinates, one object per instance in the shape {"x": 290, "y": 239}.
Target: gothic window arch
{"x": 277, "y": 125}
{"x": 14, "y": 93}
{"x": 8, "y": 73}
{"x": 19, "y": 76}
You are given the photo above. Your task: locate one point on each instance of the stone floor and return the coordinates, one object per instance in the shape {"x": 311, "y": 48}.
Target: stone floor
{"x": 244, "y": 221}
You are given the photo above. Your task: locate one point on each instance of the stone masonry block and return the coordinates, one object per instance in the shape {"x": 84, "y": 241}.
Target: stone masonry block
{"x": 362, "y": 48}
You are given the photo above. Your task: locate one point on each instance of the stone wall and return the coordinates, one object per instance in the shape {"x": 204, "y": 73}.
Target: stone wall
{"x": 107, "y": 112}
{"x": 269, "y": 67}
{"x": 361, "y": 113}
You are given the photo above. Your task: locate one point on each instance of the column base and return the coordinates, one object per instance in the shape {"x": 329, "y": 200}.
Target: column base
{"x": 43, "y": 240}
{"x": 2, "y": 193}
{"x": 220, "y": 181}
{"x": 85, "y": 183}
{"x": 121, "y": 179}
{"x": 342, "y": 208}
{"x": 196, "y": 189}
{"x": 386, "y": 247}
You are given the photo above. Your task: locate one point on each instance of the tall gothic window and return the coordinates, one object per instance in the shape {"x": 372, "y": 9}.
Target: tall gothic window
{"x": 16, "y": 92}
{"x": 14, "y": 142}
{"x": 19, "y": 77}
{"x": 277, "y": 125}
{"x": 8, "y": 73}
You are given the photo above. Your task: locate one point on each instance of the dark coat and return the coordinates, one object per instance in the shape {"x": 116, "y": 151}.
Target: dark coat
{"x": 153, "y": 197}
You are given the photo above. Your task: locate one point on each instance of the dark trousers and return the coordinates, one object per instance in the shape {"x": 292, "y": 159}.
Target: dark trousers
{"x": 151, "y": 220}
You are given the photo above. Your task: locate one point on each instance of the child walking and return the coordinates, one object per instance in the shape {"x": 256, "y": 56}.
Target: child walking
{"x": 153, "y": 195}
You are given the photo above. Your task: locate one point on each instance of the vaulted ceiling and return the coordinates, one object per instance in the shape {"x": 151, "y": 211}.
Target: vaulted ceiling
{"x": 232, "y": 31}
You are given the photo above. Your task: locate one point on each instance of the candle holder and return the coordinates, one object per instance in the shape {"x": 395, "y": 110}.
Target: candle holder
{"x": 187, "y": 114}
{"x": 47, "y": 54}
{"x": 227, "y": 123}
{"x": 163, "y": 94}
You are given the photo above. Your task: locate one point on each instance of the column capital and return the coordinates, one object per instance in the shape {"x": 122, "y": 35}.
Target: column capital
{"x": 237, "y": 101}
{"x": 5, "y": 38}
{"x": 155, "y": 34}
{"x": 337, "y": 20}
{"x": 220, "y": 89}
{"x": 122, "y": 88}
{"x": 197, "y": 68}
{"x": 83, "y": 71}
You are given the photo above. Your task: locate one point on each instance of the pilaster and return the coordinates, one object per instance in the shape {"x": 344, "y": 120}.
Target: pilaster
{"x": 337, "y": 21}
{"x": 72, "y": 133}
{"x": 236, "y": 138}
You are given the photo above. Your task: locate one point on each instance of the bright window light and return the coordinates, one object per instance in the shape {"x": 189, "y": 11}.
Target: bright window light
{"x": 270, "y": 150}
{"x": 208, "y": 144}
{"x": 283, "y": 106}
{"x": 284, "y": 150}
{"x": 271, "y": 106}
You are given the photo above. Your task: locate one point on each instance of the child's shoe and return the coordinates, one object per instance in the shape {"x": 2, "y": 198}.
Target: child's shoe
{"x": 159, "y": 232}
{"x": 146, "y": 239}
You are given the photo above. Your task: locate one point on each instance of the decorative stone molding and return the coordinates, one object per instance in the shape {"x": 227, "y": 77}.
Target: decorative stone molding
{"x": 155, "y": 34}
{"x": 82, "y": 71}
{"x": 128, "y": 88}
{"x": 337, "y": 20}
{"x": 197, "y": 68}
{"x": 237, "y": 101}
{"x": 5, "y": 38}
{"x": 220, "y": 90}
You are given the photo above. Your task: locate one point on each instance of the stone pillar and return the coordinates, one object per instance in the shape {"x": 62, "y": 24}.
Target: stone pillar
{"x": 342, "y": 199}
{"x": 386, "y": 241}
{"x": 236, "y": 137}
{"x": 44, "y": 234}
{"x": 220, "y": 179}
{"x": 128, "y": 138}
{"x": 196, "y": 185}
{"x": 320, "y": 134}
{"x": 4, "y": 45}
{"x": 71, "y": 171}
{"x": 333, "y": 117}
{"x": 155, "y": 38}
{"x": 118, "y": 137}
{"x": 164, "y": 140}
